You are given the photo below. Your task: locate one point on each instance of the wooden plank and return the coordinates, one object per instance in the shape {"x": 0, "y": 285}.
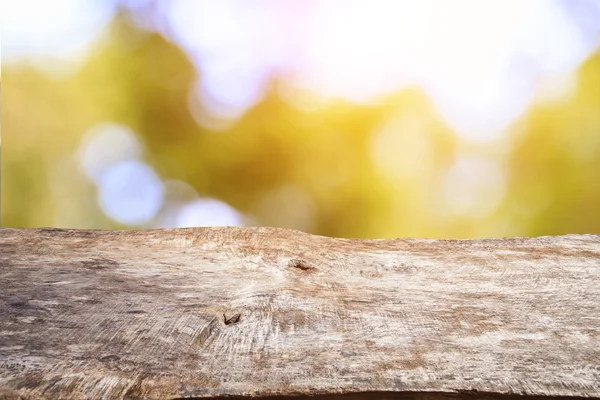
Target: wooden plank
{"x": 211, "y": 312}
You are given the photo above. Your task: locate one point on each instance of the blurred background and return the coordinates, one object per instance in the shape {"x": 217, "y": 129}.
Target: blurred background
{"x": 348, "y": 118}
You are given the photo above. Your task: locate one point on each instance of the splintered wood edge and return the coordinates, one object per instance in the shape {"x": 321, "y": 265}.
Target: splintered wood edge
{"x": 274, "y": 313}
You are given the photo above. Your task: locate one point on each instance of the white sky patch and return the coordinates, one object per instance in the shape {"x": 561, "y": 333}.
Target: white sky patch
{"x": 234, "y": 47}
{"x": 491, "y": 57}
{"x": 477, "y": 60}
{"x": 105, "y": 145}
{"x": 57, "y": 28}
{"x": 480, "y": 62}
{"x": 130, "y": 192}
{"x": 207, "y": 212}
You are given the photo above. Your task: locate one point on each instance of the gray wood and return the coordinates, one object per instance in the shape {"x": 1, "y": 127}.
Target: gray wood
{"x": 211, "y": 312}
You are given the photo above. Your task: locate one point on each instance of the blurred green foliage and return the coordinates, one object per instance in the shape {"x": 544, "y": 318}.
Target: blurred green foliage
{"x": 311, "y": 169}
{"x": 554, "y": 185}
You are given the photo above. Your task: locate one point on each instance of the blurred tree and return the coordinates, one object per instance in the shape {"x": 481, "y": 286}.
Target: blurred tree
{"x": 41, "y": 123}
{"x": 340, "y": 169}
{"x": 555, "y": 163}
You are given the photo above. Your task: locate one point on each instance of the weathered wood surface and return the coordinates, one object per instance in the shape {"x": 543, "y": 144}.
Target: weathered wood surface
{"x": 212, "y": 312}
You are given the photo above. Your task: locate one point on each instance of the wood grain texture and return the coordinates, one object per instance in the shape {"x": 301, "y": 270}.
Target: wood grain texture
{"x": 211, "y": 312}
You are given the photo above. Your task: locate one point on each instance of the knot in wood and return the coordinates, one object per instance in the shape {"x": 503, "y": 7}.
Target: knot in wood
{"x": 301, "y": 265}
{"x": 231, "y": 318}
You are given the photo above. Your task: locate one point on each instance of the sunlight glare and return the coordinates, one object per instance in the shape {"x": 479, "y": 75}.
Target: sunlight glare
{"x": 478, "y": 61}
{"x": 58, "y": 28}
{"x": 355, "y": 53}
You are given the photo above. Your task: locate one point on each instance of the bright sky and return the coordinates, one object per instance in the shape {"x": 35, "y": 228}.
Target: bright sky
{"x": 480, "y": 61}
{"x": 57, "y": 28}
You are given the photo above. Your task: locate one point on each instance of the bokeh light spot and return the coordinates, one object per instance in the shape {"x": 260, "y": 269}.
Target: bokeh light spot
{"x": 130, "y": 192}
{"x": 207, "y": 212}
{"x": 105, "y": 145}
